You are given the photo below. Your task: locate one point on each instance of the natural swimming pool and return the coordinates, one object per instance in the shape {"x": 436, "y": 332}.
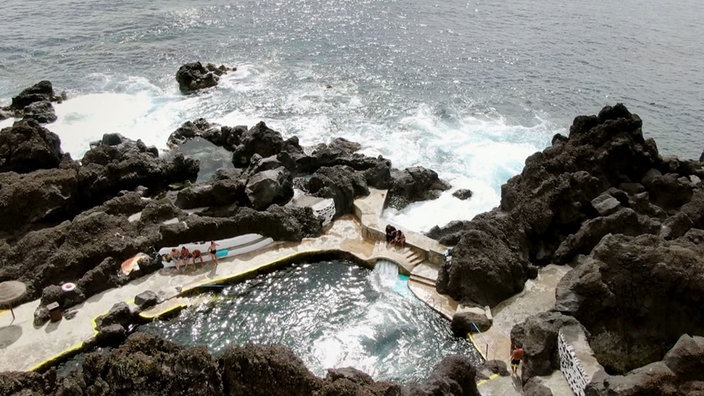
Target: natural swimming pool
{"x": 331, "y": 314}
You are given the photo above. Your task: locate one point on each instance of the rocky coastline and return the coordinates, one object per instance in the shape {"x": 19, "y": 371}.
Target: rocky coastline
{"x": 629, "y": 223}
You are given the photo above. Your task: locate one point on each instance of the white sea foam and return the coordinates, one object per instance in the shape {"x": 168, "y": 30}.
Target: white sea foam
{"x": 471, "y": 151}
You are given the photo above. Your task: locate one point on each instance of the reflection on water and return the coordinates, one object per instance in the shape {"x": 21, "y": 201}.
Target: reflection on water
{"x": 332, "y": 314}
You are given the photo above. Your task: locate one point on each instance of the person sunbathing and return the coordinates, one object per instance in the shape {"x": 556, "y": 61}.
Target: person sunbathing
{"x": 197, "y": 255}
{"x": 185, "y": 256}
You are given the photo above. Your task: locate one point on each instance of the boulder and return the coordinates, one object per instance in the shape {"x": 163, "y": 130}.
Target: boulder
{"x": 470, "y": 320}
{"x": 27, "y": 146}
{"x": 491, "y": 367}
{"x": 341, "y": 183}
{"x": 625, "y": 221}
{"x": 538, "y": 337}
{"x": 605, "y": 204}
{"x": 194, "y": 76}
{"x": 110, "y": 335}
{"x": 486, "y": 267}
{"x": 259, "y": 139}
{"x": 266, "y": 370}
{"x": 269, "y": 187}
{"x": 219, "y": 193}
{"x": 41, "y": 91}
{"x": 535, "y": 387}
{"x": 120, "y": 314}
{"x": 622, "y": 291}
{"x": 415, "y": 184}
{"x": 146, "y": 299}
{"x": 463, "y": 194}
{"x": 42, "y": 112}
{"x": 454, "y": 375}
{"x": 117, "y": 163}
{"x": 686, "y": 358}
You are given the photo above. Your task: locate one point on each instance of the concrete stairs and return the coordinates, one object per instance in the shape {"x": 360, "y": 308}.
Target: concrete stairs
{"x": 407, "y": 258}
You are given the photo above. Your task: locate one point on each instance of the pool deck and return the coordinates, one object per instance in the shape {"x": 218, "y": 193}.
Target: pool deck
{"x": 24, "y": 347}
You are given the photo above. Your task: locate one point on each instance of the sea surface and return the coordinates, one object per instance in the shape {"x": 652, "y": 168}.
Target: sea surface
{"x": 466, "y": 88}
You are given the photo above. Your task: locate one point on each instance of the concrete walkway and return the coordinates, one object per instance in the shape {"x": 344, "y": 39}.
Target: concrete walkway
{"x": 24, "y": 347}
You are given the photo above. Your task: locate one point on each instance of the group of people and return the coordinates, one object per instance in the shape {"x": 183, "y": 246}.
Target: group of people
{"x": 395, "y": 237}
{"x": 184, "y": 255}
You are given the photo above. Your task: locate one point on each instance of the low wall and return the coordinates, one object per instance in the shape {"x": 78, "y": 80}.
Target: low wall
{"x": 577, "y": 361}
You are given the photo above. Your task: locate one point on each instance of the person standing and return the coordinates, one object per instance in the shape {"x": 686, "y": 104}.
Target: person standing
{"x": 213, "y": 250}
{"x": 516, "y": 356}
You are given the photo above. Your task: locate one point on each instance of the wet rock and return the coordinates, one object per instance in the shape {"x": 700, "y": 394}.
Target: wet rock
{"x": 27, "y": 146}
{"x": 41, "y": 91}
{"x": 686, "y": 358}
{"x": 463, "y": 194}
{"x": 42, "y": 112}
{"x": 415, "y": 184}
{"x": 194, "y": 76}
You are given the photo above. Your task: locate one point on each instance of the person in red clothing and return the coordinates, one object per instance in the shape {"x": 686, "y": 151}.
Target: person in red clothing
{"x": 516, "y": 357}
{"x": 185, "y": 256}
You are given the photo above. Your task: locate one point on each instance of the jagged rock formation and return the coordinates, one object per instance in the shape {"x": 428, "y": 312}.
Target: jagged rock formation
{"x": 148, "y": 365}
{"x": 195, "y": 76}
{"x": 630, "y": 222}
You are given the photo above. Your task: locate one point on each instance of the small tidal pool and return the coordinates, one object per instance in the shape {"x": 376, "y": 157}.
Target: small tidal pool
{"x": 331, "y": 314}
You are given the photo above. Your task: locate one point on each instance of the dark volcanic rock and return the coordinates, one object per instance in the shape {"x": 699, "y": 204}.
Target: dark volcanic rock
{"x": 259, "y": 139}
{"x": 41, "y": 91}
{"x": 341, "y": 183}
{"x": 269, "y": 187}
{"x": 194, "y": 76}
{"x": 454, "y": 375}
{"x": 117, "y": 163}
{"x": 42, "y": 112}
{"x": 538, "y": 337}
{"x": 552, "y": 205}
{"x": 27, "y": 146}
{"x": 266, "y": 371}
{"x": 42, "y": 197}
{"x": 463, "y": 194}
{"x": 636, "y": 296}
{"x": 415, "y": 184}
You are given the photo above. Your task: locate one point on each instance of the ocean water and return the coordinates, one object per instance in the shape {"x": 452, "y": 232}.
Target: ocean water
{"x": 466, "y": 88}
{"x": 331, "y": 314}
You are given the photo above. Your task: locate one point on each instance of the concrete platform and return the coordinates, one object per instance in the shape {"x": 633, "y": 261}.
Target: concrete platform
{"x": 24, "y": 347}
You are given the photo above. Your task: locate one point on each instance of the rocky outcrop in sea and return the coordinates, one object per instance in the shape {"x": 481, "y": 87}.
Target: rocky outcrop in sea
{"x": 631, "y": 224}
